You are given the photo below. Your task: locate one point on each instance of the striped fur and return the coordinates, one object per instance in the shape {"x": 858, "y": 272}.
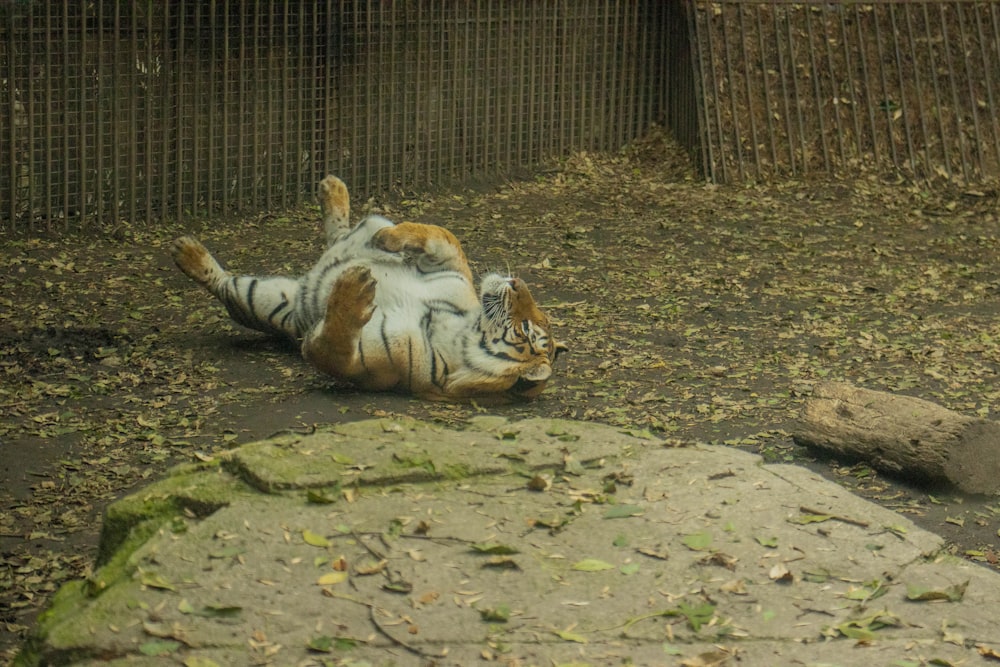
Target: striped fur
{"x": 392, "y": 307}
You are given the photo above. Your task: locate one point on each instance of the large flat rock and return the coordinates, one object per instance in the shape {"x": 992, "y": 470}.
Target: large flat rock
{"x": 537, "y": 542}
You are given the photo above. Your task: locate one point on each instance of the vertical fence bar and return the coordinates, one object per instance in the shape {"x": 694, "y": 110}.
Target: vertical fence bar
{"x": 50, "y": 115}
{"x": 988, "y": 67}
{"x": 389, "y": 127}
{"x": 907, "y": 116}
{"x": 749, "y": 90}
{"x": 152, "y": 71}
{"x": 115, "y": 126}
{"x": 768, "y": 103}
{"x": 835, "y": 101}
{"x": 730, "y": 79}
{"x": 168, "y": 117}
{"x": 245, "y": 150}
{"x": 179, "y": 95}
{"x": 134, "y": 99}
{"x": 32, "y": 129}
{"x": 957, "y": 108}
{"x": 937, "y": 90}
{"x": 852, "y": 91}
{"x": 286, "y": 128}
{"x": 209, "y": 110}
{"x": 886, "y": 97}
{"x": 11, "y": 139}
{"x": 968, "y": 74}
{"x": 866, "y": 81}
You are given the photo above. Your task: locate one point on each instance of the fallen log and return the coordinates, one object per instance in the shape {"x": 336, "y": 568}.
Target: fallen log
{"x": 904, "y": 436}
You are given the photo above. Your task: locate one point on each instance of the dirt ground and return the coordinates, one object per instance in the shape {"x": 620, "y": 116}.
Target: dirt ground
{"x": 692, "y": 311}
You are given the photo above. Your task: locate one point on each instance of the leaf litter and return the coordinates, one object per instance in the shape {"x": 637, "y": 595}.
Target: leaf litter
{"x": 694, "y": 312}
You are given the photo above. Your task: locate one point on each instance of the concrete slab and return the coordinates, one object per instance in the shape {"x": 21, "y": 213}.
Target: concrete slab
{"x": 539, "y": 542}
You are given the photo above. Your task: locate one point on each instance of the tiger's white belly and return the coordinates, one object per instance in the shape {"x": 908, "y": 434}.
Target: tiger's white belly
{"x": 423, "y": 320}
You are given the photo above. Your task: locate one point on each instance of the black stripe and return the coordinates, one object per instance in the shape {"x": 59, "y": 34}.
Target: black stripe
{"x": 277, "y": 309}
{"x": 236, "y": 306}
{"x": 250, "y": 292}
{"x": 440, "y": 383}
{"x": 499, "y": 355}
{"x": 319, "y": 280}
{"x": 385, "y": 342}
{"x": 445, "y": 306}
{"x": 409, "y": 353}
{"x": 361, "y": 354}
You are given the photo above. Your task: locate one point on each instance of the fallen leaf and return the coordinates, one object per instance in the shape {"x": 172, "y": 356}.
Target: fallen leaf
{"x": 950, "y": 594}
{"x": 700, "y": 541}
{"x": 592, "y": 565}
{"x": 623, "y": 512}
{"x": 332, "y": 578}
{"x": 315, "y": 539}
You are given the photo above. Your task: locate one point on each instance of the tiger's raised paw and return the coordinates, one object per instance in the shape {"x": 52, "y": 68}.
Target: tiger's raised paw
{"x": 335, "y": 206}
{"x": 195, "y": 261}
{"x": 352, "y": 300}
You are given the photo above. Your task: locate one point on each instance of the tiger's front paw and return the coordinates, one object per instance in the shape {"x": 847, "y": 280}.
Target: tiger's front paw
{"x": 194, "y": 260}
{"x": 352, "y": 301}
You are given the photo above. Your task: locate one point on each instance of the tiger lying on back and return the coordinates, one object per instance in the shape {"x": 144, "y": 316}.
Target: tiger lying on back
{"x": 392, "y": 307}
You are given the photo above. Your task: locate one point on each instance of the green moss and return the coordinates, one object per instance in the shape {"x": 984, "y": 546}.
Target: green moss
{"x": 191, "y": 489}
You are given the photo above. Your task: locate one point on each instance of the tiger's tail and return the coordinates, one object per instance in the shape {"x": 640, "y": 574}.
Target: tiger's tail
{"x": 265, "y": 304}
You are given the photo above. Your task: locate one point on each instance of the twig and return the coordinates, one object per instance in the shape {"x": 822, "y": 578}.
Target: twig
{"x": 398, "y": 642}
{"x": 845, "y": 519}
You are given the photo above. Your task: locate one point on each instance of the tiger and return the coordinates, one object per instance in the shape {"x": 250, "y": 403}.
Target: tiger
{"x": 392, "y": 307}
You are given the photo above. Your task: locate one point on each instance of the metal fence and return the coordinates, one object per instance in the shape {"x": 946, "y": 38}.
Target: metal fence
{"x": 140, "y": 109}
{"x": 792, "y": 88}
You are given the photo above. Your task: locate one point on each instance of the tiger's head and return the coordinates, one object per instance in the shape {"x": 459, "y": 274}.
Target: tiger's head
{"x": 517, "y": 332}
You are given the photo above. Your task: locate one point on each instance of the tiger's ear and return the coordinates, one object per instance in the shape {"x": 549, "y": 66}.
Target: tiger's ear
{"x": 560, "y": 348}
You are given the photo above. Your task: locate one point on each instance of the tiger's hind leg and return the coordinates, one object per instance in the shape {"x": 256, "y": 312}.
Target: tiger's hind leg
{"x": 335, "y": 206}
{"x": 433, "y": 248}
{"x": 264, "y": 304}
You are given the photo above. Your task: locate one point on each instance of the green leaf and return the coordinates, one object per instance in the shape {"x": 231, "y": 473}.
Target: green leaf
{"x": 332, "y": 578}
{"x": 315, "y": 539}
{"x": 571, "y": 636}
{"x": 493, "y": 548}
{"x": 154, "y": 580}
{"x": 951, "y": 594}
{"x": 769, "y": 542}
{"x": 623, "y": 511}
{"x": 159, "y": 647}
{"x": 700, "y": 541}
{"x": 629, "y": 568}
{"x": 209, "y": 611}
{"x": 322, "y": 496}
{"x": 869, "y": 591}
{"x": 592, "y": 565}
{"x": 498, "y": 614}
{"x": 321, "y": 644}
{"x": 670, "y": 649}
{"x": 228, "y": 552}
{"x": 697, "y": 615}
{"x": 328, "y": 644}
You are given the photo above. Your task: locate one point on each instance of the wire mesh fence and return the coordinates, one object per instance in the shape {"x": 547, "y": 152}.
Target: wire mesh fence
{"x": 140, "y": 109}
{"x": 814, "y": 87}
